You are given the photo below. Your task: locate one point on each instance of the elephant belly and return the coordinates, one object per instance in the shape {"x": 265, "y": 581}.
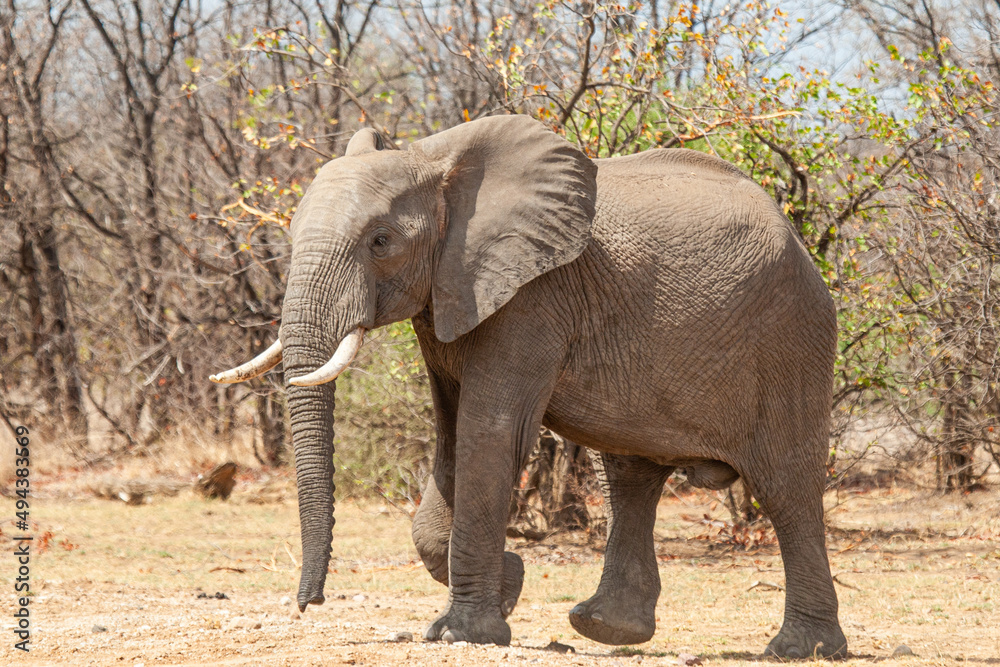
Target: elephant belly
{"x": 644, "y": 414}
{"x": 671, "y": 392}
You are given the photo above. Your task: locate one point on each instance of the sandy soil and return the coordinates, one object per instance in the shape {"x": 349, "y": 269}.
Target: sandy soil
{"x": 120, "y": 585}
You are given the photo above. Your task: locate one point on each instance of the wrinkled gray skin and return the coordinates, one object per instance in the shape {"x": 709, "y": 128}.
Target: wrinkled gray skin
{"x": 657, "y": 308}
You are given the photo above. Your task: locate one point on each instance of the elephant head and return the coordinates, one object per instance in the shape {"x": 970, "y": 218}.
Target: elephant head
{"x": 459, "y": 221}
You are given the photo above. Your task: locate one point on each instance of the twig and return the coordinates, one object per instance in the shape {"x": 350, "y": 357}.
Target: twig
{"x": 584, "y": 71}
{"x": 256, "y": 212}
{"x": 221, "y": 551}
{"x": 714, "y": 125}
{"x": 766, "y": 586}
{"x": 289, "y": 552}
{"x": 853, "y": 588}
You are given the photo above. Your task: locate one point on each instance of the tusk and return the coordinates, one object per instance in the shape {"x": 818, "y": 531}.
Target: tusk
{"x": 338, "y": 362}
{"x": 259, "y": 365}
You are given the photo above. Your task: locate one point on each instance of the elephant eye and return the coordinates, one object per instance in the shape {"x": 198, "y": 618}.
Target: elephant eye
{"x": 380, "y": 242}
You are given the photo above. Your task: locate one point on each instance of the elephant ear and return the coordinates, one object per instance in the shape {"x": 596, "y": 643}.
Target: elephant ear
{"x": 366, "y": 141}
{"x": 516, "y": 200}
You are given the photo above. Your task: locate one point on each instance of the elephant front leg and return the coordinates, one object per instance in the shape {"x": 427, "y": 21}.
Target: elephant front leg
{"x": 622, "y": 611}
{"x": 493, "y": 442}
{"x": 432, "y": 534}
{"x": 434, "y": 518}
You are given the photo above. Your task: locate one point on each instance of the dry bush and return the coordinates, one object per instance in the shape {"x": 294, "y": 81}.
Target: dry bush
{"x": 144, "y": 252}
{"x": 558, "y": 491}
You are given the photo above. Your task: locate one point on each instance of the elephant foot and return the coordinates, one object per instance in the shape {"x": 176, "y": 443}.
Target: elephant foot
{"x": 614, "y": 620}
{"x": 513, "y": 580}
{"x": 798, "y": 640}
{"x": 465, "y": 624}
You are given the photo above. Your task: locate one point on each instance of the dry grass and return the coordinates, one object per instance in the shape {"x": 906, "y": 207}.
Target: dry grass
{"x": 917, "y": 570}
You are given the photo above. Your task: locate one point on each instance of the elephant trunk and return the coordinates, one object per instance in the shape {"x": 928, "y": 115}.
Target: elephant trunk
{"x": 311, "y": 330}
{"x": 311, "y": 410}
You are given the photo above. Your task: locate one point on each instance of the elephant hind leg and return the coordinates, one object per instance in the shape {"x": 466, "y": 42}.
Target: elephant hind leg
{"x": 622, "y": 611}
{"x": 431, "y": 531}
{"x": 788, "y": 478}
{"x": 432, "y": 523}
{"x": 810, "y": 626}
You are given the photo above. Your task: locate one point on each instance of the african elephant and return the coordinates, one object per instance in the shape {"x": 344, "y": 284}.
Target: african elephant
{"x": 657, "y": 308}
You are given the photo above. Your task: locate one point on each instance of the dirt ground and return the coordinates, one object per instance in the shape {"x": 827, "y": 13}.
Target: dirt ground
{"x": 116, "y": 584}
